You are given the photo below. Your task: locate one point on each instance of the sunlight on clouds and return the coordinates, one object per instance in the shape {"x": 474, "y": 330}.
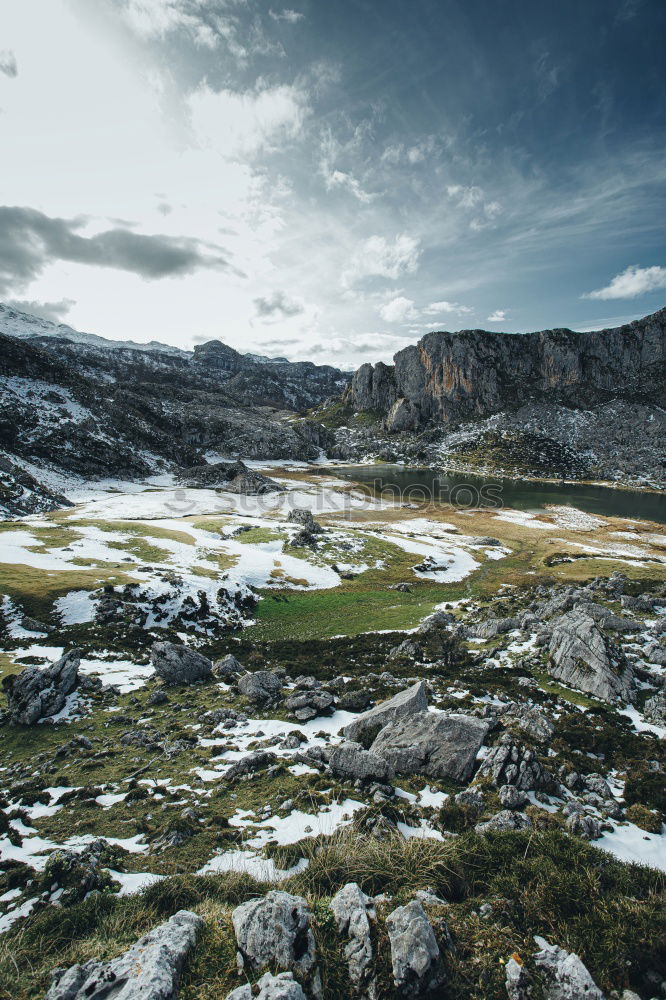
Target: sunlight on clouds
{"x": 382, "y": 258}
{"x": 632, "y": 282}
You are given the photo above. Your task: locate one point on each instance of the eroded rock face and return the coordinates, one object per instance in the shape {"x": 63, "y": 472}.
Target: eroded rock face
{"x": 582, "y": 657}
{"x": 364, "y": 729}
{"x": 437, "y": 745}
{"x": 150, "y": 969}
{"x": 504, "y": 821}
{"x": 563, "y": 974}
{"x": 178, "y": 664}
{"x": 352, "y": 911}
{"x": 38, "y": 693}
{"x": 350, "y": 760}
{"x": 415, "y": 956}
{"x": 508, "y": 763}
{"x": 275, "y": 930}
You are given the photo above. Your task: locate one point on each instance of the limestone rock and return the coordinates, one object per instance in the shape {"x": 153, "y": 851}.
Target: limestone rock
{"x": 260, "y": 686}
{"x": 564, "y": 975}
{"x": 227, "y": 666}
{"x": 150, "y": 969}
{"x": 367, "y": 726}
{"x": 275, "y": 930}
{"x": 415, "y": 957}
{"x": 179, "y": 665}
{"x": 434, "y": 744}
{"x": 508, "y": 763}
{"x": 38, "y": 693}
{"x": 503, "y": 821}
{"x": 280, "y": 987}
{"x": 517, "y": 981}
{"x": 352, "y": 911}
{"x": 582, "y": 657}
{"x": 350, "y": 760}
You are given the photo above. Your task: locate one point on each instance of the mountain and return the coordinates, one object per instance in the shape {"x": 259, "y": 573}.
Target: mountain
{"x": 555, "y": 402}
{"x": 96, "y": 408}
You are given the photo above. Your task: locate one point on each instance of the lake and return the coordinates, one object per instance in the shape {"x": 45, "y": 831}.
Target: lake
{"x": 462, "y": 490}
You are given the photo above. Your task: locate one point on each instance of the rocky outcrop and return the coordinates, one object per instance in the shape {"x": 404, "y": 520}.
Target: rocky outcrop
{"x": 261, "y": 686}
{"x": 150, "y": 969}
{"x": 582, "y": 657}
{"x": 280, "y": 987}
{"x": 233, "y": 477}
{"x": 563, "y": 975}
{"x": 415, "y": 957}
{"x": 364, "y": 729}
{"x": 509, "y": 763}
{"x": 275, "y": 930}
{"x": 39, "y": 693}
{"x": 435, "y": 744}
{"x": 350, "y": 760}
{"x": 352, "y": 911}
{"x": 179, "y": 665}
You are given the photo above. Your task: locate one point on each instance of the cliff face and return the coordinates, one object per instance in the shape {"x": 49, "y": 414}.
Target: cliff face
{"x": 452, "y": 377}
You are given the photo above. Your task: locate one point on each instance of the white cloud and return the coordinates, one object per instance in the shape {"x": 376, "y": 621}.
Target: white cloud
{"x": 382, "y": 258}
{"x": 290, "y": 16}
{"x": 158, "y": 18}
{"x": 466, "y": 197}
{"x": 8, "y": 63}
{"x": 498, "y": 316}
{"x": 398, "y": 310}
{"x": 338, "y": 178}
{"x": 437, "y": 308}
{"x": 632, "y": 282}
{"x": 243, "y": 123}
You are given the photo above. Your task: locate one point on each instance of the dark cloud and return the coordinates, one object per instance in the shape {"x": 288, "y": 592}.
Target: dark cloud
{"x": 30, "y": 240}
{"x": 277, "y": 306}
{"x": 55, "y": 311}
{"x": 8, "y": 63}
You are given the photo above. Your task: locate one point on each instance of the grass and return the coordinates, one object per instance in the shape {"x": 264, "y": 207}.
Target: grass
{"x": 35, "y": 590}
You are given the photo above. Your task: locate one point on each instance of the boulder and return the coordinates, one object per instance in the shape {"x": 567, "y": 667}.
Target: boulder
{"x": 654, "y": 708}
{"x": 258, "y": 760}
{"x": 275, "y": 930}
{"x": 261, "y": 686}
{"x": 179, "y": 665}
{"x": 415, "y": 956}
{"x": 435, "y": 744}
{"x": 517, "y": 981}
{"x": 150, "y": 969}
{"x": 280, "y": 987}
{"x": 494, "y": 626}
{"x": 582, "y": 657}
{"x": 513, "y": 798}
{"x": 227, "y": 666}
{"x": 563, "y": 975}
{"x": 350, "y": 760}
{"x": 503, "y": 821}
{"x": 306, "y": 705}
{"x": 582, "y": 825}
{"x": 304, "y": 517}
{"x": 38, "y": 693}
{"x": 533, "y": 722}
{"x": 509, "y": 763}
{"x": 364, "y": 729}
{"x": 352, "y": 911}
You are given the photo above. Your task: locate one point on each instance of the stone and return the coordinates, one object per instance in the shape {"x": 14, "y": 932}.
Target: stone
{"x": 304, "y": 517}
{"x": 260, "y": 686}
{"x": 306, "y": 705}
{"x": 435, "y": 744}
{"x": 517, "y": 980}
{"x": 533, "y": 722}
{"x": 179, "y": 665}
{"x": 494, "y": 626}
{"x": 352, "y": 911}
{"x": 258, "y": 760}
{"x": 41, "y": 692}
{"x": 582, "y": 657}
{"x": 509, "y": 763}
{"x": 564, "y": 977}
{"x": 503, "y": 821}
{"x": 364, "y": 729}
{"x": 227, "y": 666}
{"x": 354, "y": 701}
{"x": 350, "y": 760}
{"x": 654, "y": 708}
{"x": 513, "y": 798}
{"x": 150, "y": 969}
{"x": 280, "y": 987}
{"x": 275, "y": 930}
{"x": 582, "y": 825}
{"x": 415, "y": 956}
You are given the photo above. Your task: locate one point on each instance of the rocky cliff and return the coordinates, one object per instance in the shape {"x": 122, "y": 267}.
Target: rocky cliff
{"x": 450, "y": 378}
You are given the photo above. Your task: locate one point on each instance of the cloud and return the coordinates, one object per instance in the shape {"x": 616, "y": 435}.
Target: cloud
{"x": 437, "y": 308}
{"x": 410, "y": 154}
{"x": 473, "y": 198}
{"x": 632, "y": 282}
{"x": 398, "y": 310}
{"x": 197, "y": 19}
{"x": 30, "y": 240}
{"x": 291, "y": 16}
{"x": 8, "y": 63}
{"x": 498, "y": 316}
{"x": 382, "y": 258}
{"x": 54, "y": 311}
{"x": 338, "y": 178}
{"x": 277, "y": 306}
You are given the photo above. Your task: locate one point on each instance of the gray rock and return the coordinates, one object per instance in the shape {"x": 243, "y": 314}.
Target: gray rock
{"x": 280, "y": 987}
{"x": 352, "y": 911}
{"x": 275, "y": 930}
{"x": 533, "y": 722}
{"x": 654, "y": 708}
{"x": 435, "y": 744}
{"x": 306, "y": 705}
{"x": 584, "y": 826}
{"x": 582, "y": 657}
{"x": 517, "y": 981}
{"x": 564, "y": 977}
{"x": 304, "y": 517}
{"x": 512, "y": 797}
{"x": 505, "y": 820}
{"x": 38, "y": 693}
{"x": 494, "y": 626}
{"x": 178, "y": 664}
{"x": 227, "y": 666}
{"x": 415, "y": 957}
{"x": 364, "y": 729}
{"x": 150, "y": 969}
{"x": 508, "y": 763}
{"x": 350, "y": 760}
{"x": 258, "y": 760}
{"x": 261, "y": 686}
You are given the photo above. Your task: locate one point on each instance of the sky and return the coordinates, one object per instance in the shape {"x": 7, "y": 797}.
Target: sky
{"x": 329, "y": 181}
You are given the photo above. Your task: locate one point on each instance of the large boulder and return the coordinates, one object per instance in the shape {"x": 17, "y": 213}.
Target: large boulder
{"x": 415, "y": 956}
{"x": 582, "y": 657}
{"x": 364, "y": 729}
{"x": 179, "y": 665}
{"x": 261, "y": 686}
{"x": 654, "y": 708}
{"x": 434, "y": 744}
{"x": 38, "y": 693}
{"x": 150, "y": 969}
{"x": 275, "y": 930}
{"x": 352, "y": 911}
{"x": 351, "y": 761}
{"x": 563, "y": 975}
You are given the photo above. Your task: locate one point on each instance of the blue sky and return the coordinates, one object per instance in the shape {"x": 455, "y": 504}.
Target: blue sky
{"x": 332, "y": 180}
